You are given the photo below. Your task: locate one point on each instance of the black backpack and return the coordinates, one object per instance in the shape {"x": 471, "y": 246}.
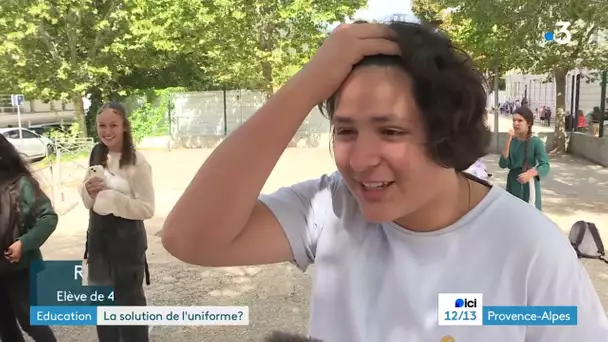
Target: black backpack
{"x": 586, "y": 240}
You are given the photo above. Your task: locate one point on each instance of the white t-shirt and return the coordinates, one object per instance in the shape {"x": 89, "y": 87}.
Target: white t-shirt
{"x": 379, "y": 282}
{"x": 478, "y": 169}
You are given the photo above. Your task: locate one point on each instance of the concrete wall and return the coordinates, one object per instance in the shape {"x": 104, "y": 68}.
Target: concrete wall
{"x": 589, "y": 147}
{"x": 502, "y": 97}
{"x": 198, "y": 119}
{"x": 542, "y": 93}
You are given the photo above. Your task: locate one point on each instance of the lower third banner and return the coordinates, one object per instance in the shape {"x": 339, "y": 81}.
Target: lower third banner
{"x": 139, "y": 315}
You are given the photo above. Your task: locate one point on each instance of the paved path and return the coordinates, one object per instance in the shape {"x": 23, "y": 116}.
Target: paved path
{"x": 278, "y": 295}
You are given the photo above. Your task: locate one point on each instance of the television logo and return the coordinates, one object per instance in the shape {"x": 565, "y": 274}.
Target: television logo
{"x": 562, "y": 35}
{"x": 459, "y": 309}
{"x": 465, "y": 303}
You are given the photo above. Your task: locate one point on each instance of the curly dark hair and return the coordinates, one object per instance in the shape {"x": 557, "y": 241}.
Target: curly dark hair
{"x": 128, "y": 156}
{"x": 448, "y": 90}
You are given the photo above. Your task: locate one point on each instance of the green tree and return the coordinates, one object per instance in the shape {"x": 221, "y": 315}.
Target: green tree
{"x": 483, "y": 41}
{"x": 62, "y": 48}
{"x": 260, "y": 44}
{"x": 519, "y": 28}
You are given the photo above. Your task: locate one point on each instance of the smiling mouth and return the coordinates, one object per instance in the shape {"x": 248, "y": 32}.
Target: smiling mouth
{"x": 375, "y": 185}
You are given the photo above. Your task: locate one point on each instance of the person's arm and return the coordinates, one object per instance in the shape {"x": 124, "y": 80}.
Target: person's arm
{"x": 40, "y": 212}
{"x": 557, "y": 278}
{"x": 140, "y": 206}
{"x": 542, "y": 159}
{"x": 505, "y": 160}
{"x": 219, "y": 220}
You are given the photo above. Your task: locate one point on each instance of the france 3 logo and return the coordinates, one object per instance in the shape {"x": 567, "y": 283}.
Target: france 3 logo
{"x": 460, "y": 309}
{"x": 562, "y": 35}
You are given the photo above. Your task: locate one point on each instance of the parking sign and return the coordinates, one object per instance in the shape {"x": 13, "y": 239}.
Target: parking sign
{"x": 17, "y": 100}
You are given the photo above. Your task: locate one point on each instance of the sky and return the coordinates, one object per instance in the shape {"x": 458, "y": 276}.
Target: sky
{"x": 380, "y": 9}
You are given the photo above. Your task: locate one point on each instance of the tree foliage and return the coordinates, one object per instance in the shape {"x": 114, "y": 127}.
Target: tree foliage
{"x": 514, "y": 31}
{"x": 260, "y": 44}
{"x": 57, "y": 49}
{"x": 484, "y": 42}
{"x": 64, "y": 49}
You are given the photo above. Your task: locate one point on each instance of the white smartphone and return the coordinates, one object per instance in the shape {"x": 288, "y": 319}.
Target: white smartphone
{"x": 96, "y": 171}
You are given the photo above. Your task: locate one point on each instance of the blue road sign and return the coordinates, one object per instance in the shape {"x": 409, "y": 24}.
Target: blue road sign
{"x": 17, "y": 100}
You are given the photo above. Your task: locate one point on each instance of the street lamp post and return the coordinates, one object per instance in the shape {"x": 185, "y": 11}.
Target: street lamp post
{"x": 603, "y": 103}
{"x": 496, "y": 110}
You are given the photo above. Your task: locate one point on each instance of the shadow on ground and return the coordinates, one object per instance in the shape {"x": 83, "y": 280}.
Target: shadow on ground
{"x": 277, "y": 296}
{"x": 574, "y": 185}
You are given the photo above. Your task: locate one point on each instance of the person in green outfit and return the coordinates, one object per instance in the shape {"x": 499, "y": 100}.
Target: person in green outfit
{"x": 526, "y": 158}
{"x": 27, "y": 219}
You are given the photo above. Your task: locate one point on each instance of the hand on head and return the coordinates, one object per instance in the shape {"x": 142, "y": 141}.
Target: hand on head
{"x": 346, "y": 46}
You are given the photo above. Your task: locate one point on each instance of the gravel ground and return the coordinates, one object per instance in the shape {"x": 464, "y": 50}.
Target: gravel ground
{"x": 278, "y": 295}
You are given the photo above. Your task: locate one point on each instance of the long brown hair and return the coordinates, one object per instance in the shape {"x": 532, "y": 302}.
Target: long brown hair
{"x": 128, "y": 155}
{"x": 527, "y": 114}
{"x": 13, "y": 169}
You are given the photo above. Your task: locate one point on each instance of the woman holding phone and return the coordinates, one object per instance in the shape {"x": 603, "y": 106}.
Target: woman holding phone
{"x": 116, "y": 237}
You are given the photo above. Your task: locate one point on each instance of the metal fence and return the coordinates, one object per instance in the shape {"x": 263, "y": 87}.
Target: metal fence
{"x": 200, "y": 119}
{"x": 61, "y": 173}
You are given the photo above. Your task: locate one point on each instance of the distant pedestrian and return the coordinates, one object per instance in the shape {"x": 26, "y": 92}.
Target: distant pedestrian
{"x": 581, "y": 125}
{"x": 596, "y": 117}
{"x": 548, "y": 115}
{"x": 526, "y": 158}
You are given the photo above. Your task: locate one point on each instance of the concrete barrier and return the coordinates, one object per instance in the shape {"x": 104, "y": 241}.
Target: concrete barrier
{"x": 305, "y": 140}
{"x": 155, "y": 143}
{"x": 589, "y": 147}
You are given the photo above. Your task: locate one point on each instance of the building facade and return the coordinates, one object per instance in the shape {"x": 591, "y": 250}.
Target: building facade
{"x": 540, "y": 90}
{"x": 35, "y": 113}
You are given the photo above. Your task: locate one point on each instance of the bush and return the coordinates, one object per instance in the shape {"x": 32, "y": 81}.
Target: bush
{"x": 151, "y": 116}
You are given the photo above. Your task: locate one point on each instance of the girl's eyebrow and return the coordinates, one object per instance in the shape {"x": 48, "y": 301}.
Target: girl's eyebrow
{"x": 384, "y": 118}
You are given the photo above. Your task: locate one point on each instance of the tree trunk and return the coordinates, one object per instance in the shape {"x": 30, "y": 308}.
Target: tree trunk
{"x": 79, "y": 113}
{"x": 559, "y": 139}
{"x": 268, "y": 79}
{"x": 267, "y": 45}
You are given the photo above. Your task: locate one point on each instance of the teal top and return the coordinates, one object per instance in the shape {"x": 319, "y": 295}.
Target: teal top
{"x": 40, "y": 221}
{"x": 536, "y": 155}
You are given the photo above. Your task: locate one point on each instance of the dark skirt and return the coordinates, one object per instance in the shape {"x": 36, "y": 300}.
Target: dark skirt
{"x": 116, "y": 256}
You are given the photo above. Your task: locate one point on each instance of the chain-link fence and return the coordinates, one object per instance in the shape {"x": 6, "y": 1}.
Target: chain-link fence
{"x": 202, "y": 119}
